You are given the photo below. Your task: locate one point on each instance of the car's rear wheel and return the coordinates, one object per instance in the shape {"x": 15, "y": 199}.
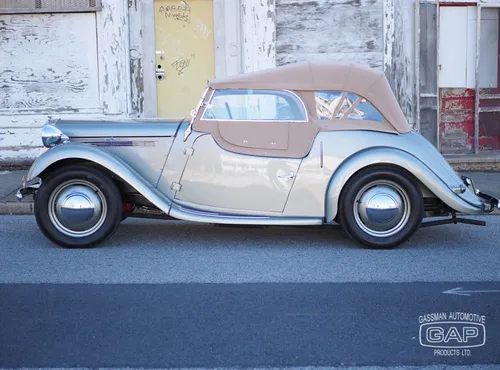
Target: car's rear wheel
{"x": 381, "y": 207}
{"x": 78, "y": 207}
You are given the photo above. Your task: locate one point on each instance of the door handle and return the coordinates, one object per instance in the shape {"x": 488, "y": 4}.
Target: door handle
{"x": 289, "y": 176}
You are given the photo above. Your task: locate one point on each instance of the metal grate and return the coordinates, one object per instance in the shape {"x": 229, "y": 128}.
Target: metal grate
{"x": 48, "y": 6}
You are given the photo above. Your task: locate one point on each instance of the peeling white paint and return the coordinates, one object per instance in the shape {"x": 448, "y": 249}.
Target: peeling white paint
{"x": 48, "y": 62}
{"x": 113, "y": 57}
{"x": 399, "y": 53}
{"x": 68, "y": 65}
{"x": 335, "y": 30}
{"x": 143, "y": 100}
{"x": 389, "y": 33}
{"x": 228, "y": 38}
{"x": 259, "y": 34}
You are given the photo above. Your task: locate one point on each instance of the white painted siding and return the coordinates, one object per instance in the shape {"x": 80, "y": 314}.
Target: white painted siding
{"x": 259, "y": 34}
{"x": 399, "y": 52}
{"x": 68, "y": 65}
{"x": 43, "y": 66}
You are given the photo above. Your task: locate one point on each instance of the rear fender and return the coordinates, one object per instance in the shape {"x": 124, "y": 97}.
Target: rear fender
{"x": 110, "y": 162}
{"x": 440, "y": 182}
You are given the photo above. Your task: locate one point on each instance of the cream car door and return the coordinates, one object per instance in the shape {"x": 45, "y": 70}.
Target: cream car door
{"x": 217, "y": 179}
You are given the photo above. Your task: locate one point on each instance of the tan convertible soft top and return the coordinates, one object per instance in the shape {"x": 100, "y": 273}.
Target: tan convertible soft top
{"x": 367, "y": 82}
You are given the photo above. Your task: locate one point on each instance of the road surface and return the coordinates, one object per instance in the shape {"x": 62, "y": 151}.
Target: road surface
{"x": 163, "y": 294}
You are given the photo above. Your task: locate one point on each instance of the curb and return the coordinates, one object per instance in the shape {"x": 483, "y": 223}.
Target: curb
{"x": 476, "y": 167}
{"x": 16, "y": 208}
{"x": 472, "y": 164}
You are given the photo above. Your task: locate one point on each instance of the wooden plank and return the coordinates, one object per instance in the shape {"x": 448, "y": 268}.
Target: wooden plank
{"x": 338, "y": 29}
{"x": 227, "y": 38}
{"x": 19, "y": 156}
{"x": 399, "y": 53}
{"x": 113, "y": 56}
{"x": 259, "y": 34}
{"x": 20, "y": 138}
{"x": 370, "y": 59}
{"x": 142, "y": 59}
{"x": 428, "y": 73}
{"x": 43, "y": 63}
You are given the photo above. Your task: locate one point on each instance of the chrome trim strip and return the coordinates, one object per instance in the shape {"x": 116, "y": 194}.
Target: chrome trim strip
{"x": 220, "y": 218}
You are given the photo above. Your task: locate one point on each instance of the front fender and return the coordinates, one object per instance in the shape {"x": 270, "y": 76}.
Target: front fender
{"x": 110, "y": 162}
{"x": 438, "y": 180}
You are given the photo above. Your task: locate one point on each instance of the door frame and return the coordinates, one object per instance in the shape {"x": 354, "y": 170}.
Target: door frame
{"x": 477, "y": 95}
{"x": 440, "y": 3}
{"x": 427, "y": 95}
{"x": 227, "y": 49}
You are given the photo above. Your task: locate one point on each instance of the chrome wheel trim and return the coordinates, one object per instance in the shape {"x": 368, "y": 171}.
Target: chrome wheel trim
{"x": 77, "y": 208}
{"x": 381, "y": 208}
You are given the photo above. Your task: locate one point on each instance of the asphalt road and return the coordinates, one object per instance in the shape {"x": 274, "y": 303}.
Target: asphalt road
{"x": 179, "y": 295}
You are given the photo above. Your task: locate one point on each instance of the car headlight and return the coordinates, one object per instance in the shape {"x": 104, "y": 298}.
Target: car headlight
{"x": 51, "y": 136}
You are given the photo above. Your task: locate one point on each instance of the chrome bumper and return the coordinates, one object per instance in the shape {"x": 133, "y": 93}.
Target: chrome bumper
{"x": 28, "y": 188}
{"x": 488, "y": 200}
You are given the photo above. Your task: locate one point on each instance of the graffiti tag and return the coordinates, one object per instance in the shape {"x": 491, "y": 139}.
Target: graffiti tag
{"x": 177, "y": 12}
{"x": 180, "y": 65}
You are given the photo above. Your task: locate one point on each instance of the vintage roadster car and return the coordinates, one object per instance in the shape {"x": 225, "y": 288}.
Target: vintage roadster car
{"x": 313, "y": 144}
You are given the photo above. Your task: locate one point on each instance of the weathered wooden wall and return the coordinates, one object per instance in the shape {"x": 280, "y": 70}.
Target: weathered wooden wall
{"x": 259, "y": 34}
{"x": 65, "y": 65}
{"x": 399, "y": 56}
{"x": 43, "y": 64}
{"x": 143, "y": 102}
{"x": 330, "y": 30}
{"x": 428, "y": 68}
{"x": 375, "y": 33}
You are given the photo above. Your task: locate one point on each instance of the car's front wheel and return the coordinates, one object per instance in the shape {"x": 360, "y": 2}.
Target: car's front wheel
{"x": 78, "y": 207}
{"x": 381, "y": 207}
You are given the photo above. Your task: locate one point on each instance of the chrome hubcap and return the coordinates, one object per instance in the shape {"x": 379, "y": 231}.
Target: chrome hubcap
{"x": 77, "y": 208}
{"x": 381, "y": 208}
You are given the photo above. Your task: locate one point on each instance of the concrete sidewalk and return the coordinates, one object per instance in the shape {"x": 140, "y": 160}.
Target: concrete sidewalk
{"x": 10, "y": 181}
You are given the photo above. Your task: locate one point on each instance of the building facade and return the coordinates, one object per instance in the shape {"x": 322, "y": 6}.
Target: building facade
{"x": 457, "y": 67}
{"x": 148, "y": 59}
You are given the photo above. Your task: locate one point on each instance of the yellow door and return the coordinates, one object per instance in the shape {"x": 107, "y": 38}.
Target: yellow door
{"x": 184, "y": 36}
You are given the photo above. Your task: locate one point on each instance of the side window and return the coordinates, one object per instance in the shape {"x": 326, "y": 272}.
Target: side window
{"x": 327, "y": 103}
{"x": 331, "y": 105}
{"x": 255, "y": 105}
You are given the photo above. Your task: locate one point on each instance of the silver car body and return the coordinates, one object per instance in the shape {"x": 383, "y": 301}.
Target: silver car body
{"x": 183, "y": 170}
{"x": 152, "y": 159}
